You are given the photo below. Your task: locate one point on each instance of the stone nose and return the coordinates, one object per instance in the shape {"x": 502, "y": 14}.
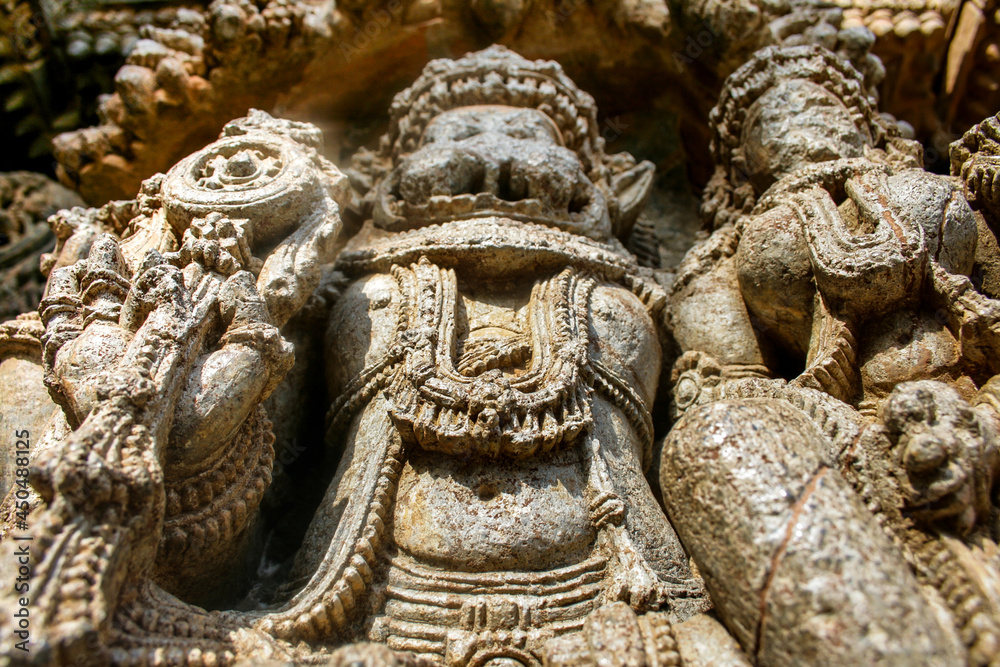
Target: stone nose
{"x": 515, "y": 171}
{"x": 478, "y": 171}
{"x": 509, "y": 173}
{"x": 437, "y": 171}
{"x": 498, "y": 180}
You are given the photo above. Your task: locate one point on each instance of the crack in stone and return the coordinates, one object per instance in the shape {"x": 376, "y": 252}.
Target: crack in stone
{"x": 779, "y": 554}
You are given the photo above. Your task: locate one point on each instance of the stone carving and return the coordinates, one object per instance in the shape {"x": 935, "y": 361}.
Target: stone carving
{"x": 840, "y": 270}
{"x": 494, "y": 362}
{"x": 191, "y": 316}
{"x": 971, "y": 72}
{"x": 26, "y": 200}
{"x": 178, "y": 73}
{"x": 493, "y": 355}
{"x": 189, "y": 74}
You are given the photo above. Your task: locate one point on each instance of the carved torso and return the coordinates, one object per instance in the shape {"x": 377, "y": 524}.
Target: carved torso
{"x": 457, "y": 502}
{"x": 500, "y": 388}
{"x": 483, "y": 515}
{"x": 901, "y": 339}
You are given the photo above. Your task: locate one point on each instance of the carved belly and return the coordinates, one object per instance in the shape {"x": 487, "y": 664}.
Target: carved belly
{"x": 908, "y": 346}
{"x": 493, "y": 515}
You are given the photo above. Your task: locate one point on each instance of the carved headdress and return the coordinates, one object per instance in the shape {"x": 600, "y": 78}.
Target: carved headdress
{"x": 728, "y": 192}
{"x": 498, "y": 76}
{"x": 970, "y": 155}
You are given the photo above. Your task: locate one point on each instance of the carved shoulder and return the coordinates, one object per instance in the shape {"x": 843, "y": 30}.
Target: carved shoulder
{"x": 361, "y": 329}
{"x": 775, "y": 277}
{"x": 624, "y": 337}
{"x": 706, "y": 312}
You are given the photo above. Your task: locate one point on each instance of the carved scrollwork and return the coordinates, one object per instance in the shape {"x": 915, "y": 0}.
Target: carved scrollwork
{"x": 268, "y": 180}
{"x": 259, "y": 171}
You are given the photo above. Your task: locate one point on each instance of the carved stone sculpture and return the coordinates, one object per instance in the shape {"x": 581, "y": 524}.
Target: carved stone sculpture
{"x": 177, "y": 72}
{"x": 26, "y": 200}
{"x": 839, "y": 272}
{"x": 493, "y": 355}
{"x": 493, "y": 365}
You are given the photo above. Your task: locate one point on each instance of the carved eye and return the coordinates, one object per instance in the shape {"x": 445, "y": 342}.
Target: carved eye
{"x": 466, "y": 132}
{"x": 449, "y": 133}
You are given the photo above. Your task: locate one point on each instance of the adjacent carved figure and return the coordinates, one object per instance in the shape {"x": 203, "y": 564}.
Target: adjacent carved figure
{"x": 837, "y": 280}
{"x": 493, "y": 356}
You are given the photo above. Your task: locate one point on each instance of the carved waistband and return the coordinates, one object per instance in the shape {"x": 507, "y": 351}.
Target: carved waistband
{"x": 457, "y": 616}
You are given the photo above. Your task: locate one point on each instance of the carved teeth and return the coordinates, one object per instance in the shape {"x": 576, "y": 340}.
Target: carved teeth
{"x": 320, "y": 619}
{"x": 549, "y": 423}
{"x": 337, "y": 610}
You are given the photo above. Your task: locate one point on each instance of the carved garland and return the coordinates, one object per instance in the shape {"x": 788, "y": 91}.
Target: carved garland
{"x": 443, "y": 410}
{"x": 434, "y": 405}
{"x": 324, "y": 608}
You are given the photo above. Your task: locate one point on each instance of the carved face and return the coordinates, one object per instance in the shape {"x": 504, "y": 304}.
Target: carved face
{"x": 793, "y": 125}
{"x": 493, "y": 160}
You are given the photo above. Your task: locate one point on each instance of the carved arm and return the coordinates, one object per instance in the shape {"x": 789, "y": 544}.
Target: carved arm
{"x": 247, "y": 224}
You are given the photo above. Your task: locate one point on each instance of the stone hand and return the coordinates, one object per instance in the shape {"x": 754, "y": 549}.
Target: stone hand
{"x": 226, "y": 383}
{"x": 95, "y": 317}
{"x": 633, "y": 581}
{"x": 981, "y": 175}
{"x": 975, "y": 317}
{"x": 218, "y": 244}
{"x": 639, "y": 587}
{"x": 946, "y": 454}
{"x": 292, "y": 270}
{"x": 251, "y": 357}
{"x": 84, "y": 333}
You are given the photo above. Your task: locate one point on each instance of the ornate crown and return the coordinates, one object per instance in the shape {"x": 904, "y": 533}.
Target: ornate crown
{"x": 728, "y": 194}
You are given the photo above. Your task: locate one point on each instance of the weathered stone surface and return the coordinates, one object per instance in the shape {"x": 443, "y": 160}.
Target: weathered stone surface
{"x": 467, "y": 306}
{"x": 844, "y": 274}
{"x": 796, "y": 566}
{"x": 26, "y": 201}
{"x": 21, "y": 376}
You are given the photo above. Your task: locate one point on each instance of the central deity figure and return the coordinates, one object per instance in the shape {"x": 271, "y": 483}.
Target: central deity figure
{"x": 494, "y": 361}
